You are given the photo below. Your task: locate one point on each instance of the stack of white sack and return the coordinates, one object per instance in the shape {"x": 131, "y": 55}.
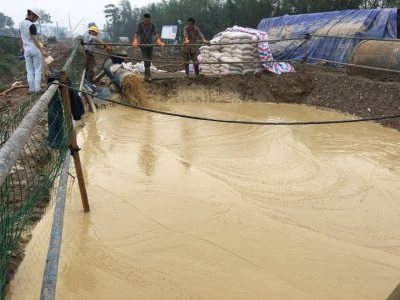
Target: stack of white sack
{"x": 135, "y": 68}
{"x": 239, "y": 50}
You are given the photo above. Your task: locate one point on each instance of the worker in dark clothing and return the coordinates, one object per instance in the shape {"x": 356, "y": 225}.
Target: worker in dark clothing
{"x": 191, "y": 34}
{"x": 146, "y": 33}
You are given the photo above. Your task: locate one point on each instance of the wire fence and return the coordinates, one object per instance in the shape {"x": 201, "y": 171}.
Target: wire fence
{"x": 35, "y": 138}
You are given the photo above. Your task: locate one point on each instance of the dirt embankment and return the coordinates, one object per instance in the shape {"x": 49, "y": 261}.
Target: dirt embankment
{"x": 321, "y": 87}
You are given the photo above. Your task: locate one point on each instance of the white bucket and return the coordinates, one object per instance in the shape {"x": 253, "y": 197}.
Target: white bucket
{"x": 49, "y": 59}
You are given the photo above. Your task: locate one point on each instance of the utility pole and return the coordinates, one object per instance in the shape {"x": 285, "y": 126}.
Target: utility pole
{"x": 69, "y": 20}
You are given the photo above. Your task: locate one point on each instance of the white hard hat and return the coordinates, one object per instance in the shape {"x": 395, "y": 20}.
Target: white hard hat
{"x": 36, "y": 11}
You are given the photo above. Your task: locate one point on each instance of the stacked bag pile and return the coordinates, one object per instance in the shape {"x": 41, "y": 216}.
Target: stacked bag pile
{"x": 239, "y": 50}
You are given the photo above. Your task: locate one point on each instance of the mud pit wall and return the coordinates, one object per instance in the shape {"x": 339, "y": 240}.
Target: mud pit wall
{"x": 188, "y": 209}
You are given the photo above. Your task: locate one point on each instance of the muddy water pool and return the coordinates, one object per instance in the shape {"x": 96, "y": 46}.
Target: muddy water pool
{"x": 185, "y": 209}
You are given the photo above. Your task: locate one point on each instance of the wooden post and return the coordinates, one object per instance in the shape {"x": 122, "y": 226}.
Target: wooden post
{"x": 73, "y": 143}
{"x": 306, "y": 40}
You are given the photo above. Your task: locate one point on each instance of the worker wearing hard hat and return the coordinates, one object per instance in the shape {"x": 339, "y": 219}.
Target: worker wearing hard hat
{"x": 146, "y": 32}
{"x": 32, "y": 49}
{"x": 93, "y": 39}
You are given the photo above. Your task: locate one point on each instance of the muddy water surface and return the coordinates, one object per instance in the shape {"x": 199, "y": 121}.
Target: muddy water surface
{"x": 185, "y": 209}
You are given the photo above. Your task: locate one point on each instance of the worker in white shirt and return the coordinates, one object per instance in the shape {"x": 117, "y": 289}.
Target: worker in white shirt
{"x": 32, "y": 49}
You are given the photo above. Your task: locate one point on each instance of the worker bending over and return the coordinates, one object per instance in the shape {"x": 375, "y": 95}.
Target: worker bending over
{"x": 145, "y": 34}
{"x": 192, "y": 34}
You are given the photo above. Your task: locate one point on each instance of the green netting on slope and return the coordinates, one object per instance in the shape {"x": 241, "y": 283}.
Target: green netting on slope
{"x": 25, "y": 194}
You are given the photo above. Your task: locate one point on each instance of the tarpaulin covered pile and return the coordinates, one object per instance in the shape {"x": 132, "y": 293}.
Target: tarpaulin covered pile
{"x": 374, "y": 23}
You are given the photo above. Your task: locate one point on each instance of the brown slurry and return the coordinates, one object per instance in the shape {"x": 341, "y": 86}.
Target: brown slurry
{"x": 132, "y": 88}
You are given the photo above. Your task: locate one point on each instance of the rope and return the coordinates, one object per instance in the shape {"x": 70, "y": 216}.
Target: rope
{"x": 234, "y": 121}
{"x": 354, "y": 38}
{"x": 178, "y": 62}
{"x": 354, "y": 65}
{"x": 208, "y": 44}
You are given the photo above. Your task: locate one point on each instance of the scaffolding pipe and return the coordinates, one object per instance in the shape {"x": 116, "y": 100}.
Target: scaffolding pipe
{"x": 12, "y": 148}
{"x": 48, "y": 291}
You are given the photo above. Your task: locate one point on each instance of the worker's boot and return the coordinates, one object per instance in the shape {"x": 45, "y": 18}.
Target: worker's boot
{"x": 147, "y": 74}
{"x": 187, "y": 70}
{"x": 196, "y": 70}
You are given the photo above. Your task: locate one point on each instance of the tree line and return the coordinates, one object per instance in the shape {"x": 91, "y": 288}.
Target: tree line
{"x": 214, "y": 16}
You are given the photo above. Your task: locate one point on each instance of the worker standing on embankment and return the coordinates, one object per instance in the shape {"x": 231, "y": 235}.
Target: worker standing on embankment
{"x": 192, "y": 34}
{"x": 32, "y": 50}
{"x": 90, "y": 61}
{"x": 146, "y": 32}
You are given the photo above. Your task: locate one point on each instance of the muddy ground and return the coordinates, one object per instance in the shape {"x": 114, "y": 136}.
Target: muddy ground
{"x": 317, "y": 86}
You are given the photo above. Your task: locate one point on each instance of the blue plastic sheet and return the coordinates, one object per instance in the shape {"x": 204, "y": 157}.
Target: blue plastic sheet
{"x": 373, "y": 23}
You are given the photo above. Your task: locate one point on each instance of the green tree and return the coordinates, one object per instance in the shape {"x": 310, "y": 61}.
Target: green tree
{"x": 45, "y": 19}
{"x": 213, "y": 16}
{"x": 5, "y": 21}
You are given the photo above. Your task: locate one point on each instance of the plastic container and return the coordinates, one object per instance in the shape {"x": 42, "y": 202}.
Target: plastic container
{"x": 49, "y": 59}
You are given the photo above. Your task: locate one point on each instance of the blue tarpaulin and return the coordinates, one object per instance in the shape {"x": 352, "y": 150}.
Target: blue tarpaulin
{"x": 373, "y": 23}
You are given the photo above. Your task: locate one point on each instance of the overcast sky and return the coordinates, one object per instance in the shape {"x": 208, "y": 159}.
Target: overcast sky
{"x": 89, "y": 10}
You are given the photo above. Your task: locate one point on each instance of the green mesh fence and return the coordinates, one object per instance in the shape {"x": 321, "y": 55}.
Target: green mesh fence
{"x": 26, "y": 192}
{"x": 75, "y": 64}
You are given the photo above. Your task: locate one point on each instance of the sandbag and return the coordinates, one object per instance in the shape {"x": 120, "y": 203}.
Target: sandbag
{"x": 245, "y": 47}
{"x": 216, "y": 55}
{"x": 228, "y": 59}
{"x": 214, "y": 48}
{"x": 243, "y": 58}
{"x": 226, "y": 51}
{"x": 248, "y": 71}
{"x": 225, "y": 41}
